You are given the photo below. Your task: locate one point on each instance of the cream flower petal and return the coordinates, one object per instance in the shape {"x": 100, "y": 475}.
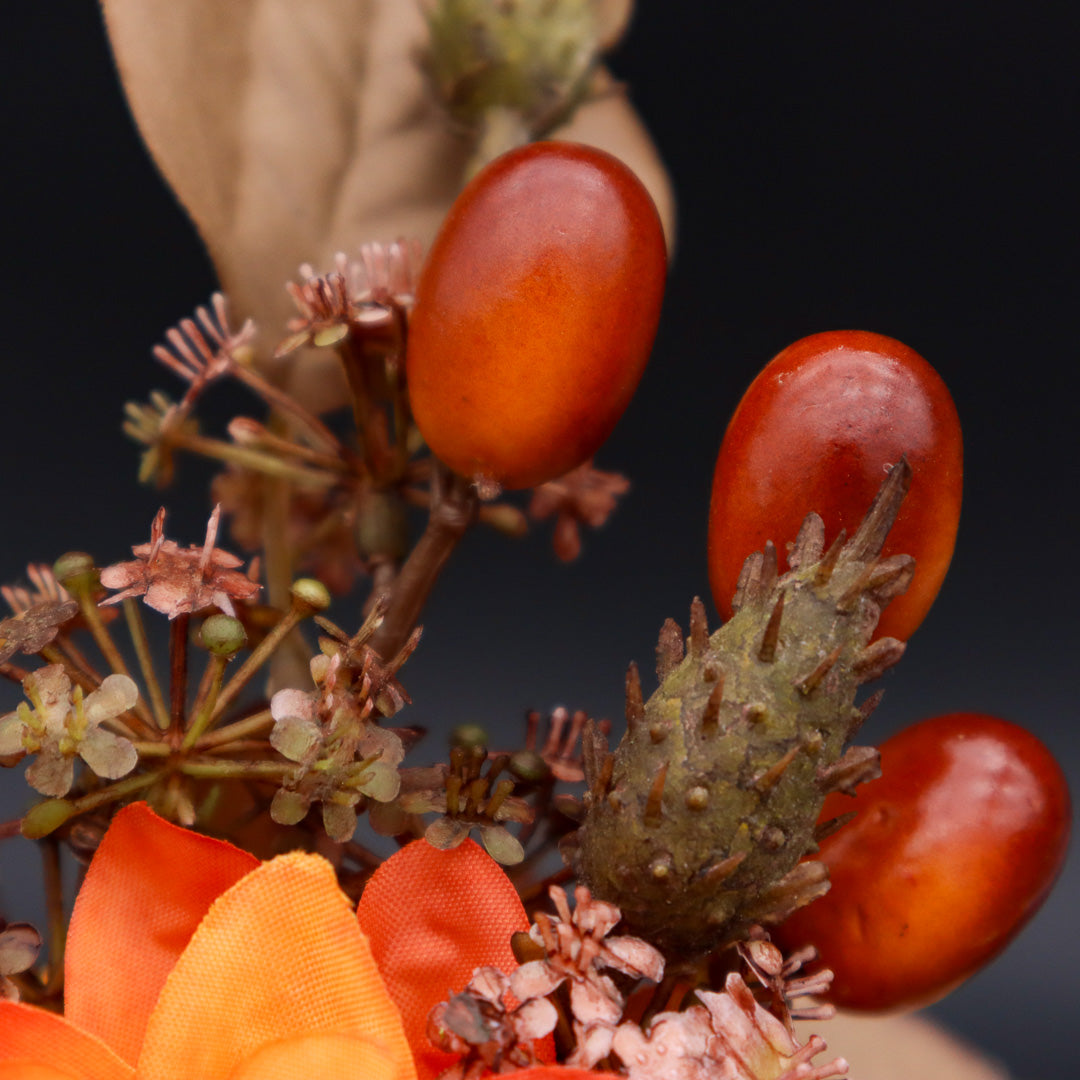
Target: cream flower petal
{"x": 109, "y": 756}
{"x": 51, "y": 773}
{"x": 11, "y": 734}
{"x": 116, "y": 695}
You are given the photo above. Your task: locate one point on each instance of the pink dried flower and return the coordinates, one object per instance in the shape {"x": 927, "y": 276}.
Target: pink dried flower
{"x": 364, "y": 293}
{"x": 729, "y": 1036}
{"x": 197, "y": 360}
{"x": 583, "y": 495}
{"x": 319, "y": 525}
{"x": 175, "y": 580}
{"x": 32, "y": 629}
{"x": 780, "y": 978}
{"x": 46, "y": 590}
{"x": 561, "y": 751}
{"x": 577, "y": 948}
{"x": 481, "y": 1026}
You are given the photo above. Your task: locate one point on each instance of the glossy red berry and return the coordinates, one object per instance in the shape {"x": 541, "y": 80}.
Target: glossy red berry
{"x": 952, "y": 850}
{"x": 816, "y": 431}
{"x": 535, "y": 313}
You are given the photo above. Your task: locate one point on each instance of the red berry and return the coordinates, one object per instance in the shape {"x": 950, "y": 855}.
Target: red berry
{"x": 535, "y": 313}
{"x": 816, "y": 431}
{"x": 952, "y": 850}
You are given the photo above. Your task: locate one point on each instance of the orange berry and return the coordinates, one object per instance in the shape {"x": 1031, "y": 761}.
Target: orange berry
{"x": 535, "y": 314}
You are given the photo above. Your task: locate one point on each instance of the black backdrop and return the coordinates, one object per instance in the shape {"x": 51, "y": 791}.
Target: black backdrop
{"x": 909, "y": 169}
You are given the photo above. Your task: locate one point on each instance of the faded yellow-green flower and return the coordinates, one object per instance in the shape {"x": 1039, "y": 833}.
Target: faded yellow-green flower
{"x": 60, "y": 724}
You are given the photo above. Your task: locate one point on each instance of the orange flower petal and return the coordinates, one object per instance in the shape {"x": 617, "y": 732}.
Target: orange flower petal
{"x": 433, "y": 917}
{"x": 146, "y": 891}
{"x": 30, "y": 1070}
{"x": 343, "y": 1057}
{"x": 39, "y": 1045}
{"x": 278, "y": 956}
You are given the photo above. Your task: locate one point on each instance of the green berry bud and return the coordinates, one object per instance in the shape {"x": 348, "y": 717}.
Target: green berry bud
{"x": 223, "y": 635}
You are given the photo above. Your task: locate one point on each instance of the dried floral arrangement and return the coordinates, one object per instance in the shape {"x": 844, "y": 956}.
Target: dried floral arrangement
{"x": 647, "y": 905}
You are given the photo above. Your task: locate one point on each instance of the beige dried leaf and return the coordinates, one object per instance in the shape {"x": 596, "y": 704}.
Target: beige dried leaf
{"x": 291, "y": 131}
{"x": 901, "y": 1047}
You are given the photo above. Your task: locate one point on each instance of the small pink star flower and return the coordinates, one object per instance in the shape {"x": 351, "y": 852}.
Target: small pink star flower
{"x": 175, "y": 580}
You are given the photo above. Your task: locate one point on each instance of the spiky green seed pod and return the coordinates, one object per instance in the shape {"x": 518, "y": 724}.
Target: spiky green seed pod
{"x": 695, "y": 826}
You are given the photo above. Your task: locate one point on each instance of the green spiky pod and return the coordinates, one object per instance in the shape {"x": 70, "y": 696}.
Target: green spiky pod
{"x": 696, "y": 824}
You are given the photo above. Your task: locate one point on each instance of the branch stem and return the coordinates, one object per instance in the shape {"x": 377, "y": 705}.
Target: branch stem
{"x": 453, "y": 510}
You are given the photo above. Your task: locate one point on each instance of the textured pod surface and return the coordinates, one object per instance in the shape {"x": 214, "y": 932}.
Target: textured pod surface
{"x": 696, "y": 824}
{"x": 535, "y": 313}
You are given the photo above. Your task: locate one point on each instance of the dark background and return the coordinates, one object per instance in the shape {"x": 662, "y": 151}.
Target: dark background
{"x": 909, "y": 169}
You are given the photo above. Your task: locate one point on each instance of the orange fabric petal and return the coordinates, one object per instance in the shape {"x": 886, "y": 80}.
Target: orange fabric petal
{"x": 146, "y": 891}
{"x": 342, "y": 1057}
{"x": 433, "y": 917}
{"x": 30, "y": 1070}
{"x": 40, "y": 1045}
{"x": 278, "y": 956}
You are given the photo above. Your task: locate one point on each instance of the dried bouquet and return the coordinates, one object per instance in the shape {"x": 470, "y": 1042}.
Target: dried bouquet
{"x": 277, "y": 873}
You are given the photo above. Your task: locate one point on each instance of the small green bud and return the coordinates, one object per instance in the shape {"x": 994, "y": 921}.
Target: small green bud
{"x": 47, "y": 816}
{"x": 223, "y": 635}
{"x": 468, "y": 737}
{"x": 529, "y": 766}
{"x": 76, "y": 571}
{"x": 311, "y": 594}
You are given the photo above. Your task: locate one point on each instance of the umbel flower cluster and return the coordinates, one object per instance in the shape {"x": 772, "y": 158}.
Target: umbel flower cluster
{"x": 274, "y": 879}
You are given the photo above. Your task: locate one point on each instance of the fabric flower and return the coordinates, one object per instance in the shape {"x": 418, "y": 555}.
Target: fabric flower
{"x": 729, "y": 1036}
{"x": 364, "y": 293}
{"x": 577, "y": 947}
{"x": 483, "y": 1026}
{"x": 187, "y": 957}
{"x": 62, "y": 725}
{"x": 19, "y": 947}
{"x": 582, "y": 496}
{"x": 31, "y": 630}
{"x": 341, "y": 754}
{"x": 175, "y": 580}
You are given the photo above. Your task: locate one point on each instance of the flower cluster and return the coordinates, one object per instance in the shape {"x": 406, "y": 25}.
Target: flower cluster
{"x": 60, "y": 724}
{"x": 214, "y": 942}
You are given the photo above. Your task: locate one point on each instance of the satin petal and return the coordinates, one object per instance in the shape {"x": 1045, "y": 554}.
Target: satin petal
{"x": 147, "y": 889}
{"x": 42, "y": 1045}
{"x": 342, "y": 1056}
{"x": 278, "y": 956}
{"x": 22, "y": 1069}
{"x": 433, "y": 917}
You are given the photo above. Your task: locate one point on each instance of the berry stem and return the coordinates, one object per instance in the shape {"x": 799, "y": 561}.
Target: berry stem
{"x": 453, "y": 510}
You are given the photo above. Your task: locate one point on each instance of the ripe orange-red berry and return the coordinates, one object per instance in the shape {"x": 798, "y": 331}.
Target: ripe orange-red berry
{"x": 816, "y": 431}
{"x": 535, "y": 314}
{"x": 951, "y": 851}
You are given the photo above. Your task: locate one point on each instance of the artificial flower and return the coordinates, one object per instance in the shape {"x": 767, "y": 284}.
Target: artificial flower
{"x": 63, "y": 725}
{"x": 175, "y": 580}
{"x": 583, "y": 496}
{"x": 19, "y": 947}
{"x": 187, "y": 957}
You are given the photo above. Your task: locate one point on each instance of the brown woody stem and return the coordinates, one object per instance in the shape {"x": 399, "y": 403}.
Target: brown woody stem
{"x": 453, "y": 510}
{"x": 54, "y": 900}
{"x": 178, "y": 681}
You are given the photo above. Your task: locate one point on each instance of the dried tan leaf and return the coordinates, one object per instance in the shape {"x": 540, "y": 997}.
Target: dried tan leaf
{"x": 290, "y": 131}
{"x": 900, "y": 1048}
